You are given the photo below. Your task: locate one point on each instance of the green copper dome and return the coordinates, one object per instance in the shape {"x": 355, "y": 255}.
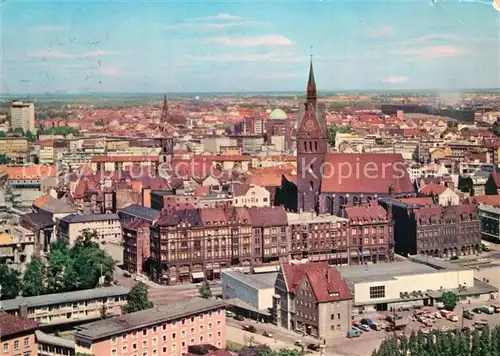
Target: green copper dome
{"x": 277, "y": 114}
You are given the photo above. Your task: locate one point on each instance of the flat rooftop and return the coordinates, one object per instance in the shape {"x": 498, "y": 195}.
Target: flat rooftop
{"x": 387, "y": 271}
{"x": 157, "y": 315}
{"x": 68, "y": 297}
{"x": 260, "y": 281}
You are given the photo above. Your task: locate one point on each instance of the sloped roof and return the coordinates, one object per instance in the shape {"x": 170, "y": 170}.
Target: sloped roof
{"x": 268, "y": 216}
{"x": 325, "y": 281}
{"x": 365, "y": 173}
{"x": 430, "y": 189}
{"x": 11, "y": 325}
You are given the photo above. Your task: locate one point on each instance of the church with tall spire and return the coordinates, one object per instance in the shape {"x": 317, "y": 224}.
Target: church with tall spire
{"x": 312, "y": 145}
{"x": 327, "y": 183}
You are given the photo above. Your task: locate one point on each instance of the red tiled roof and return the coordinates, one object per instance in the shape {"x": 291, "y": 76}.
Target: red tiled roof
{"x": 366, "y": 214}
{"x": 268, "y": 216}
{"x": 430, "y": 189}
{"x": 10, "y": 325}
{"x": 365, "y": 173}
{"x": 201, "y": 191}
{"x": 418, "y": 200}
{"x": 103, "y": 159}
{"x": 493, "y": 200}
{"x": 325, "y": 281}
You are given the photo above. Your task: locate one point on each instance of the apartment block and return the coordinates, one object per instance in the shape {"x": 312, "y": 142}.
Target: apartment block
{"x": 107, "y": 226}
{"x": 62, "y": 308}
{"x": 167, "y": 330}
{"x": 15, "y": 149}
{"x": 22, "y": 116}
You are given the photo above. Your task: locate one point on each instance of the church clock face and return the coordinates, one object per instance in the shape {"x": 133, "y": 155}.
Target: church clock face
{"x": 309, "y": 125}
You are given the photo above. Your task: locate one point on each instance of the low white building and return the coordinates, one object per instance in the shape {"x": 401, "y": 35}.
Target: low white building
{"x": 250, "y": 293}
{"x": 107, "y": 227}
{"x": 419, "y": 280}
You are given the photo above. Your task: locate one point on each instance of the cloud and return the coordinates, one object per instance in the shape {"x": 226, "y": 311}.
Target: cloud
{"x": 109, "y": 70}
{"x": 211, "y": 23}
{"x": 222, "y": 17}
{"x": 434, "y": 38}
{"x": 65, "y": 55}
{"x": 395, "y": 79}
{"x": 270, "y": 57}
{"x": 270, "y": 40}
{"x": 201, "y": 26}
{"x": 382, "y": 31}
{"x": 50, "y": 28}
{"x": 430, "y": 52}
{"x": 50, "y": 54}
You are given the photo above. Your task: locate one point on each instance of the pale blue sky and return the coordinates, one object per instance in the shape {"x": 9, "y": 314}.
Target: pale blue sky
{"x": 82, "y": 46}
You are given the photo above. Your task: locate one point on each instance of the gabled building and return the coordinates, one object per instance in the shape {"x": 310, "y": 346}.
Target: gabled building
{"x": 312, "y": 298}
{"x": 441, "y": 194}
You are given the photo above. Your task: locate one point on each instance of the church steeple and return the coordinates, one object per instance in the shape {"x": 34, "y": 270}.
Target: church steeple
{"x": 164, "y": 111}
{"x": 311, "y": 85}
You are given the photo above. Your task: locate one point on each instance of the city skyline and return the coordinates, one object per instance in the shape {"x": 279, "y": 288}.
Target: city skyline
{"x": 231, "y": 47}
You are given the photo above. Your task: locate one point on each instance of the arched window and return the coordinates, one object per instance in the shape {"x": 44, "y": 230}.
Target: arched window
{"x": 316, "y": 146}
{"x": 311, "y": 185}
{"x": 310, "y": 146}
{"x": 305, "y": 146}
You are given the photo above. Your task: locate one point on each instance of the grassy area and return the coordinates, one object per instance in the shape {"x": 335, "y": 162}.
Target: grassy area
{"x": 68, "y": 335}
{"x": 233, "y": 346}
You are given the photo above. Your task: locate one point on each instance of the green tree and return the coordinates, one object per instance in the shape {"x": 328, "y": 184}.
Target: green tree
{"x": 10, "y": 281}
{"x": 332, "y": 132}
{"x": 30, "y": 136}
{"x": 204, "y": 291}
{"x": 4, "y": 159}
{"x": 496, "y": 130}
{"x": 58, "y": 259}
{"x": 450, "y": 300}
{"x": 137, "y": 299}
{"x": 2, "y": 134}
{"x": 34, "y": 278}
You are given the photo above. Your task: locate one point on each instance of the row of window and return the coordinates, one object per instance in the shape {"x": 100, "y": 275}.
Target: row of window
{"x": 16, "y": 345}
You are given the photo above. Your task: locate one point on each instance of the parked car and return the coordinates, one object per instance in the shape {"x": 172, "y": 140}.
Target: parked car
{"x": 487, "y": 310}
{"x": 299, "y": 343}
{"x": 353, "y": 333}
{"x": 368, "y": 322}
{"x": 239, "y": 318}
{"x": 250, "y": 328}
{"x": 230, "y": 314}
{"x": 364, "y": 327}
{"x": 468, "y": 314}
{"x": 477, "y": 310}
{"x": 313, "y": 347}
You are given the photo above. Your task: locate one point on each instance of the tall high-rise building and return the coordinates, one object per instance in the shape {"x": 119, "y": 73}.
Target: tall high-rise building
{"x": 22, "y": 116}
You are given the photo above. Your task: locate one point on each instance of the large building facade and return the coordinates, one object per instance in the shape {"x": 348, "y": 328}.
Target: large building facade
{"x": 433, "y": 230}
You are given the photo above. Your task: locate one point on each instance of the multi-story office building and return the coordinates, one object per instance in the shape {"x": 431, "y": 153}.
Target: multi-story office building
{"x": 15, "y": 149}
{"x": 490, "y": 223}
{"x": 63, "y": 308}
{"x": 107, "y": 226}
{"x": 22, "y": 115}
{"x": 371, "y": 234}
{"x": 167, "y": 330}
{"x": 17, "y": 335}
{"x": 318, "y": 237}
{"x": 192, "y": 244}
{"x": 433, "y": 230}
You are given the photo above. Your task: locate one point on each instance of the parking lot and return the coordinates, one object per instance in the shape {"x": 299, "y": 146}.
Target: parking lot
{"x": 369, "y": 340}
